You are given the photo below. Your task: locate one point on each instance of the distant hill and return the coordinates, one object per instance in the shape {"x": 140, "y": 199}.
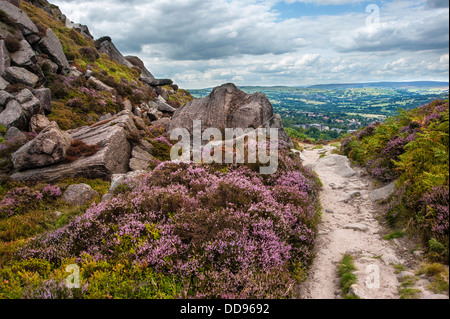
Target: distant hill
{"x": 406, "y": 85}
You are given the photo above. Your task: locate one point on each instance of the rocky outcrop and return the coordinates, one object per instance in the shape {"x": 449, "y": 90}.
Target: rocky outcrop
{"x": 24, "y": 23}
{"x": 145, "y": 75}
{"x": 51, "y": 45}
{"x": 112, "y": 157}
{"x": 48, "y": 148}
{"x": 79, "y": 194}
{"x": 136, "y": 62}
{"x": 105, "y": 45}
{"x": 84, "y": 30}
{"x": 229, "y": 107}
{"x": 156, "y": 82}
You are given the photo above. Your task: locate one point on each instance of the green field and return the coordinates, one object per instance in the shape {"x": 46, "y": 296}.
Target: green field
{"x": 340, "y": 108}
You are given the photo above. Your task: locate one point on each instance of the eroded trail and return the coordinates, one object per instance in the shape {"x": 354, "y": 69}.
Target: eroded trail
{"x": 349, "y": 226}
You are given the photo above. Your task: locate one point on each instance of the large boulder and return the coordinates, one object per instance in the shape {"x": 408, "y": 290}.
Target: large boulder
{"x": 15, "y": 74}
{"x": 51, "y": 45}
{"x": 24, "y": 23}
{"x": 48, "y": 148}
{"x": 5, "y": 61}
{"x": 228, "y": 107}
{"x": 112, "y": 157}
{"x": 13, "y": 115}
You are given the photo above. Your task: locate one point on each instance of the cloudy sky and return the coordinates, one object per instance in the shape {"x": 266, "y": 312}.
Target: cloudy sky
{"x": 204, "y": 43}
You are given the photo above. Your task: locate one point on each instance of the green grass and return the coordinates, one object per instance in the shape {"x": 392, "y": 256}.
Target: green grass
{"x": 348, "y": 278}
{"x": 395, "y": 234}
{"x": 318, "y": 147}
{"x": 438, "y": 275}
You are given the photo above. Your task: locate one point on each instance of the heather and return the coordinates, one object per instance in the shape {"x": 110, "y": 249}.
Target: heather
{"x": 411, "y": 149}
{"x": 181, "y": 231}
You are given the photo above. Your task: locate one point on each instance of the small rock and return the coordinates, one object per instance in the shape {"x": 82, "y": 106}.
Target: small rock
{"x": 3, "y": 83}
{"x": 356, "y": 290}
{"x": 79, "y": 195}
{"x": 107, "y": 197}
{"x": 13, "y": 115}
{"x": 404, "y": 274}
{"x": 382, "y": 193}
{"x": 44, "y": 95}
{"x": 99, "y": 85}
{"x": 418, "y": 253}
{"x": 329, "y": 211}
{"x": 118, "y": 179}
{"x": 127, "y": 105}
{"x": 38, "y": 122}
{"x": 357, "y": 227}
{"x": 14, "y": 133}
{"x": 390, "y": 259}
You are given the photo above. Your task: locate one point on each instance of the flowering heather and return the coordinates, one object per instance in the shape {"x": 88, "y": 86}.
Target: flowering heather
{"x": 51, "y": 191}
{"x": 411, "y": 148}
{"x": 17, "y": 200}
{"x": 224, "y": 233}
{"x": 436, "y": 205}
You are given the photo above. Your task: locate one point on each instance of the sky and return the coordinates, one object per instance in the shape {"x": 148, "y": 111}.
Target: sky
{"x": 205, "y": 43}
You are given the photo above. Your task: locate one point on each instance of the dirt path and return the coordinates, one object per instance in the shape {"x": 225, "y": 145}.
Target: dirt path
{"x": 349, "y": 226}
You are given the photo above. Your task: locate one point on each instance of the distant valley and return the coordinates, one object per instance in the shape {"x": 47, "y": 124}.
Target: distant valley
{"x": 328, "y": 111}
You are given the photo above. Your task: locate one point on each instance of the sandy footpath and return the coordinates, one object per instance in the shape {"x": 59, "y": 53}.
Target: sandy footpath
{"x": 349, "y": 225}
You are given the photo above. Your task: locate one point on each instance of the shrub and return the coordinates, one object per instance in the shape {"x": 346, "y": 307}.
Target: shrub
{"x": 79, "y": 149}
{"x": 12, "y": 44}
{"x": 212, "y": 232}
{"x": 412, "y": 148}
{"x": 14, "y": 88}
{"x": 5, "y": 18}
{"x": 89, "y": 53}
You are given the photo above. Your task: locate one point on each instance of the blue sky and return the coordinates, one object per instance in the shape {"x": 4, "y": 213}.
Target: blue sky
{"x": 204, "y": 43}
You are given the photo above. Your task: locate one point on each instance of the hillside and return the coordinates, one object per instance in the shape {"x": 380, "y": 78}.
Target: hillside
{"x": 88, "y": 183}
{"x": 411, "y": 151}
{"x": 110, "y": 188}
{"x": 399, "y": 85}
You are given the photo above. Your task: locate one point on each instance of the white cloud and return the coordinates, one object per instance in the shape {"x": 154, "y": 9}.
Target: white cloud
{"x": 203, "y": 43}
